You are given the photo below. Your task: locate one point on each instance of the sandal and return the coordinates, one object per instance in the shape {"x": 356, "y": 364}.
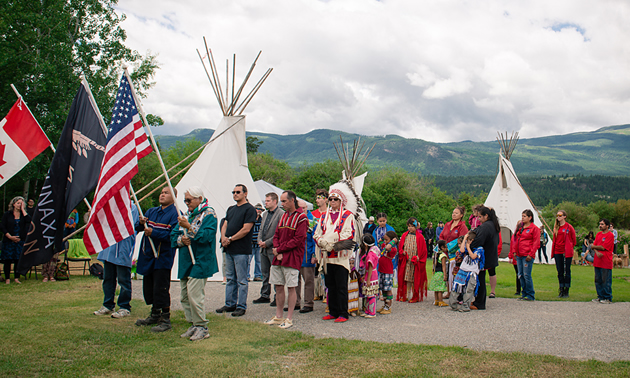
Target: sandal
{"x": 492, "y": 295}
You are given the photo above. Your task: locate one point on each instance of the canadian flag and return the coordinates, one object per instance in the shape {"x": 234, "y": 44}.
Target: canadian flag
{"x": 21, "y": 140}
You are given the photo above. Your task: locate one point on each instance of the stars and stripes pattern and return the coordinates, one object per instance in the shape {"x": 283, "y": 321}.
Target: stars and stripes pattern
{"x": 110, "y": 220}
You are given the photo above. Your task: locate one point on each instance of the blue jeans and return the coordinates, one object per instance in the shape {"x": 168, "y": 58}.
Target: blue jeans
{"x": 111, "y": 274}
{"x": 236, "y": 286}
{"x": 256, "y": 255}
{"x": 525, "y": 274}
{"x": 603, "y": 283}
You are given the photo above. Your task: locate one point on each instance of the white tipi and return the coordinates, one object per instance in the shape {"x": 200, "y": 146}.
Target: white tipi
{"x": 508, "y": 198}
{"x": 223, "y": 162}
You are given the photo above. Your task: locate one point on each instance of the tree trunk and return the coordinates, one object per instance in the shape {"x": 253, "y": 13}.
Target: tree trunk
{"x": 27, "y": 185}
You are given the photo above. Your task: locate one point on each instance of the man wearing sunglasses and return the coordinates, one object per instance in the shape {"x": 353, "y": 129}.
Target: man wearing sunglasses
{"x": 236, "y": 238}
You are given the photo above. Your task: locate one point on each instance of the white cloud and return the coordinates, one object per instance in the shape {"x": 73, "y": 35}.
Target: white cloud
{"x": 442, "y": 71}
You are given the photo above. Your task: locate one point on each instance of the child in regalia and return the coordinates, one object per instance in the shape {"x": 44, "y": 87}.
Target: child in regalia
{"x": 386, "y": 270}
{"x": 369, "y": 280}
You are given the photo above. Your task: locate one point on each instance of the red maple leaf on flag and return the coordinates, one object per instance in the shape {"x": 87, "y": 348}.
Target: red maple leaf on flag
{"x": 2, "y": 162}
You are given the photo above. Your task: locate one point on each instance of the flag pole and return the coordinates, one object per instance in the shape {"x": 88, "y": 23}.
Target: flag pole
{"x": 157, "y": 152}
{"x": 40, "y": 126}
{"x": 101, "y": 121}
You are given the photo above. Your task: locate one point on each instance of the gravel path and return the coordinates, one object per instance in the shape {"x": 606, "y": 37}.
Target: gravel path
{"x": 575, "y": 330}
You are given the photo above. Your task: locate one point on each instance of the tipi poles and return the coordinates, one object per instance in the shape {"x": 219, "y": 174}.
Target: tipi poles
{"x": 229, "y": 104}
{"x": 157, "y": 151}
{"x": 183, "y": 160}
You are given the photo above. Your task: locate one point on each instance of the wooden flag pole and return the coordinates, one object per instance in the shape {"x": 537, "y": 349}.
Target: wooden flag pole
{"x": 157, "y": 152}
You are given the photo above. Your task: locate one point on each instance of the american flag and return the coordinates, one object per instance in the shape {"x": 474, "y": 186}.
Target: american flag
{"x": 110, "y": 219}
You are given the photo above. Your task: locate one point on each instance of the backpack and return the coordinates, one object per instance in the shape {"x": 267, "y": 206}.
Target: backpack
{"x": 62, "y": 273}
{"x": 96, "y": 270}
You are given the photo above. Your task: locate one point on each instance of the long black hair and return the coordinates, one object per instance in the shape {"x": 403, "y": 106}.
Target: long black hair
{"x": 492, "y": 216}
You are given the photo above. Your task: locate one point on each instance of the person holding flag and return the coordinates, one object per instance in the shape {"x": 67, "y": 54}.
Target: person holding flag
{"x": 155, "y": 267}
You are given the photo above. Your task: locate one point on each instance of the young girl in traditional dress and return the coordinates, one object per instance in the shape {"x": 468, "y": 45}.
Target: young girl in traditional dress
{"x": 440, "y": 274}
{"x": 369, "y": 280}
{"x": 386, "y": 270}
{"x": 412, "y": 273}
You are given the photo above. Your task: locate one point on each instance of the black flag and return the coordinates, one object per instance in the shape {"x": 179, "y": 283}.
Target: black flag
{"x": 73, "y": 173}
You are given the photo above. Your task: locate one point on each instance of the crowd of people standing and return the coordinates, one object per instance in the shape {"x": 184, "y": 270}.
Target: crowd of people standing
{"x": 305, "y": 255}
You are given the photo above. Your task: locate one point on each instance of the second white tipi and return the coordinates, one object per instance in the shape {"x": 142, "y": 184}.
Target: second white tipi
{"x": 508, "y": 198}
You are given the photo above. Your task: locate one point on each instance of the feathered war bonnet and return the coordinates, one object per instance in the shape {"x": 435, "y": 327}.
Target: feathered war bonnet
{"x": 344, "y": 189}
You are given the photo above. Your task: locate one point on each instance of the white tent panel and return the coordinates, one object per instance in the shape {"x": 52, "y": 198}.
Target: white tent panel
{"x": 221, "y": 166}
{"x": 508, "y": 199}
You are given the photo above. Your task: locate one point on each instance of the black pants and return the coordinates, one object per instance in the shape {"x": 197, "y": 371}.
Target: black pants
{"x": 337, "y": 284}
{"x": 518, "y": 281}
{"x": 542, "y": 251}
{"x": 7, "y": 269}
{"x": 480, "y": 299}
{"x": 155, "y": 288}
{"x": 563, "y": 266}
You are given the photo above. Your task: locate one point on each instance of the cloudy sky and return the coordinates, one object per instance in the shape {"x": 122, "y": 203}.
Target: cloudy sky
{"x": 442, "y": 71}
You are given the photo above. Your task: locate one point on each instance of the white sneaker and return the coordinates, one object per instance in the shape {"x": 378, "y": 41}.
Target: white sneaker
{"x": 103, "y": 311}
{"x": 188, "y": 334}
{"x": 605, "y": 301}
{"x": 274, "y": 321}
{"x": 121, "y": 313}
{"x": 200, "y": 334}
{"x": 288, "y": 323}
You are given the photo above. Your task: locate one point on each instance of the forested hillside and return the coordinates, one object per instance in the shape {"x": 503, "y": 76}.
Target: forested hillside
{"x": 605, "y": 152}
{"x": 546, "y": 189}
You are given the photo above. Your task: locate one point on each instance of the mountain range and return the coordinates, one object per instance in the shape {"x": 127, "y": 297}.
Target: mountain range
{"x": 605, "y": 151}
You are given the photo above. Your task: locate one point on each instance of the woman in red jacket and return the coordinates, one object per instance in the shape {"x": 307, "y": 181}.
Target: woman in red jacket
{"x": 562, "y": 251}
{"x": 513, "y": 259}
{"x": 453, "y": 230}
{"x": 412, "y": 266}
{"x": 527, "y": 242}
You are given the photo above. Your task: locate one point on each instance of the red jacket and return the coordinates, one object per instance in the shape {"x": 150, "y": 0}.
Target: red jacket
{"x": 527, "y": 241}
{"x": 606, "y": 240}
{"x": 449, "y": 235}
{"x": 290, "y": 239}
{"x": 564, "y": 241}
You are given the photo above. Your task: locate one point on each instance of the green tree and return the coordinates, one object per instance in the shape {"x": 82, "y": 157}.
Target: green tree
{"x": 266, "y": 167}
{"x": 252, "y": 144}
{"x": 309, "y": 178}
{"x": 45, "y": 46}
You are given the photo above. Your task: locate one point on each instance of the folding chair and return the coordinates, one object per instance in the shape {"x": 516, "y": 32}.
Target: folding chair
{"x": 75, "y": 251}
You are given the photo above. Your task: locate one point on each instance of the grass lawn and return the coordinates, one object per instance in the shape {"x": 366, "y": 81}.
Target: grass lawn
{"x": 545, "y": 279}
{"x": 49, "y": 330}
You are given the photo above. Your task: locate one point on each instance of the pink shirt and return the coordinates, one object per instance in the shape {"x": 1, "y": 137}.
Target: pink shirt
{"x": 371, "y": 258}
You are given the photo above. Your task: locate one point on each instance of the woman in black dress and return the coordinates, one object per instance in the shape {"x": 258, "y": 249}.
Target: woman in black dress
{"x": 14, "y": 227}
{"x": 488, "y": 238}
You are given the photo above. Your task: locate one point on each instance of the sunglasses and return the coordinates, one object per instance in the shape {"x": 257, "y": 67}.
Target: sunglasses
{"x": 559, "y": 215}
{"x": 236, "y": 192}
{"x": 187, "y": 201}
{"x": 334, "y": 199}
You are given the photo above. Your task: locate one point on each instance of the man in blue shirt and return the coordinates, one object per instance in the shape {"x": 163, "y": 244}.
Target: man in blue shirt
{"x": 156, "y": 271}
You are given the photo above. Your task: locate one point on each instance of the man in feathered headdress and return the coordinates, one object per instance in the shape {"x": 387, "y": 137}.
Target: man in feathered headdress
{"x": 335, "y": 236}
